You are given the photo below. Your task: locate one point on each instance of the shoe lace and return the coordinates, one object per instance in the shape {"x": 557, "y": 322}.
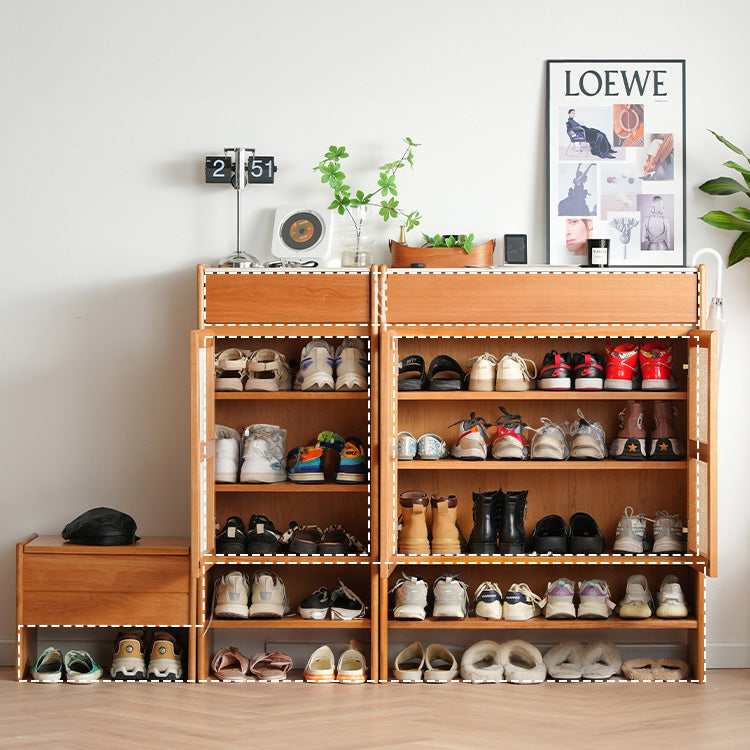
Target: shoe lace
{"x": 485, "y": 356}
{"x": 522, "y": 363}
{"x": 472, "y": 421}
{"x": 352, "y": 596}
{"x": 524, "y": 589}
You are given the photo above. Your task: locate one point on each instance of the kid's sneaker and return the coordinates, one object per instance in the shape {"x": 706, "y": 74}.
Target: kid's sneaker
{"x": 595, "y": 600}
{"x": 409, "y": 598}
{"x": 227, "y": 460}
{"x": 229, "y": 369}
{"x": 621, "y": 370}
{"x": 632, "y": 535}
{"x": 556, "y": 371}
{"x": 305, "y": 465}
{"x": 269, "y": 597}
{"x": 655, "y": 358}
{"x": 473, "y": 440}
{"x": 488, "y": 601}
{"x": 352, "y": 464}
{"x": 509, "y": 441}
{"x": 588, "y": 371}
{"x": 263, "y": 453}
{"x": 316, "y": 367}
{"x": 521, "y": 603}
{"x": 671, "y": 600}
{"x": 351, "y": 366}
{"x": 450, "y": 597}
{"x": 587, "y": 439}
{"x": 558, "y": 601}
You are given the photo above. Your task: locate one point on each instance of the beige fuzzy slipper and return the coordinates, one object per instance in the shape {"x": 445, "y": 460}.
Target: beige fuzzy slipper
{"x": 639, "y": 669}
{"x": 601, "y": 660}
{"x": 481, "y": 663}
{"x": 671, "y": 669}
{"x": 564, "y": 661}
{"x": 522, "y": 662}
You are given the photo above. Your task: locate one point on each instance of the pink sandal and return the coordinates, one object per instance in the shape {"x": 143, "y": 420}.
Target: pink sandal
{"x": 230, "y": 664}
{"x": 271, "y": 667}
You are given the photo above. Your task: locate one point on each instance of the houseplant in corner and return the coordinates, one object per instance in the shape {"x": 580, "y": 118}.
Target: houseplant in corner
{"x": 356, "y": 206}
{"x": 739, "y": 219}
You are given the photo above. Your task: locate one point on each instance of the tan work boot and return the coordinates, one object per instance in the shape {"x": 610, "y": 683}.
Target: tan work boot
{"x": 446, "y": 537}
{"x": 663, "y": 443}
{"x": 412, "y": 538}
{"x": 630, "y": 443}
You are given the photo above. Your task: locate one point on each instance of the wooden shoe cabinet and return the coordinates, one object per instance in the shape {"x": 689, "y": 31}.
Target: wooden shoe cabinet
{"x": 83, "y": 596}
{"x": 463, "y": 314}
{"x": 283, "y": 311}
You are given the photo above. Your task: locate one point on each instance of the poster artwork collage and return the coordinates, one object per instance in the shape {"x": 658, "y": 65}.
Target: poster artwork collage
{"x": 616, "y": 161}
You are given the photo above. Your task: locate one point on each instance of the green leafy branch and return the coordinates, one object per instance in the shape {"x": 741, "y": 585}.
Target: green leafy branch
{"x": 739, "y": 218}
{"x": 466, "y": 241}
{"x": 332, "y": 174}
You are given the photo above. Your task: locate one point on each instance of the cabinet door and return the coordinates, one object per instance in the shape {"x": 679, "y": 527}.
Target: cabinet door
{"x": 201, "y": 439}
{"x": 702, "y": 444}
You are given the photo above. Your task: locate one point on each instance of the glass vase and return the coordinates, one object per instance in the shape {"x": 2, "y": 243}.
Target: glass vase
{"x": 357, "y": 249}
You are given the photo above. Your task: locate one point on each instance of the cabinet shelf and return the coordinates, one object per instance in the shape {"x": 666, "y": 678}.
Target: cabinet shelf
{"x": 534, "y": 559}
{"x": 294, "y": 621}
{"x": 294, "y": 487}
{"x": 288, "y": 559}
{"x": 540, "y": 623}
{"x": 291, "y": 395}
{"x": 542, "y": 395}
{"x": 448, "y": 464}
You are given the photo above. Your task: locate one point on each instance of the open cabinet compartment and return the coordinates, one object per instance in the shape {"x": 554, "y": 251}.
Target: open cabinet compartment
{"x": 250, "y": 311}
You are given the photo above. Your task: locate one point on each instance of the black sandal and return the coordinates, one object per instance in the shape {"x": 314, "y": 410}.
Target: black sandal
{"x": 411, "y": 375}
{"x": 442, "y": 374}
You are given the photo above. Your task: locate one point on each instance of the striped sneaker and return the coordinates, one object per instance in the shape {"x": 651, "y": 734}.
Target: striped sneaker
{"x": 353, "y": 464}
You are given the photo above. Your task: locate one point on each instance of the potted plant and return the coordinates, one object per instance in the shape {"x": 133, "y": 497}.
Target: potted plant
{"x": 739, "y": 219}
{"x": 443, "y": 251}
{"x": 356, "y": 205}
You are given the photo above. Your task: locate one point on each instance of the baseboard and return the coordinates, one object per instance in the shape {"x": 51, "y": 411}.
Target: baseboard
{"x": 728, "y": 655}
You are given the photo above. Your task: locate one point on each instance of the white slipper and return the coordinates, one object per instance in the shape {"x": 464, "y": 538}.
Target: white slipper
{"x": 601, "y": 660}
{"x": 522, "y": 662}
{"x": 409, "y": 664}
{"x": 352, "y": 667}
{"x": 320, "y": 666}
{"x": 440, "y": 664}
{"x": 565, "y": 661}
{"x": 481, "y": 663}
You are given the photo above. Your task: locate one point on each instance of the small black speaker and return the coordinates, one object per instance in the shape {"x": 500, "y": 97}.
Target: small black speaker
{"x": 515, "y": 248}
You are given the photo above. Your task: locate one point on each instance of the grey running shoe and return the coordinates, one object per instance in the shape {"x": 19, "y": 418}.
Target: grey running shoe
{"x": 410, "y": 595}
{"x": 595, "y": 600}
{"x": 637, "y": 603}
{"x": 587, "y": 439}
{"x": 670, "y": 599}
{"x": 632, "y": 533}
{"x": 549, "y": 441}
{"x": 451, "y": 598}
{"x": 669, "y": 538}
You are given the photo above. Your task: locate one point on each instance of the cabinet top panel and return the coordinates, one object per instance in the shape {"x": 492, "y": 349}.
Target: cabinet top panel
{"x": 542, "y": 297}
{"x": 227, "y": 297}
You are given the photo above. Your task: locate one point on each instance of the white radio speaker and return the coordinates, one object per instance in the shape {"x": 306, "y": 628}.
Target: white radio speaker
{"x": 302, "y": 233}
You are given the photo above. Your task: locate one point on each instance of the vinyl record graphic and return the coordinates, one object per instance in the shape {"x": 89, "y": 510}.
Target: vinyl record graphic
{"x": 301, "y": 230}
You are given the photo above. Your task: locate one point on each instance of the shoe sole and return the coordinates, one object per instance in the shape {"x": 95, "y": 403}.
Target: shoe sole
{"x": 351, "y": 478}
{"x": 308, "y": 477}
{"x": 588, "y": 384}
{"x": 483, "y": 385}
{"x": 560, "y": 611}
{"x": 232, "y": 611}
{"x": 617, "y": 385}
{"x": 513, "y": 385}
{"x": 628, "y": 449}
{"x": 262, "y": 478}
{"x": 351, "y": 383}
{"x": 487, "y": 613}
{"x": 635, "y": 611}
{"x": 448, "y": 547}
{"x": 658, "y": 385}
{"x": 554, "y": 384}
{"x": 671, "y": 611}
{"x": 469, "y": 454}
{"x": 668, "y": 547}
{"x": 628, "y": 547}
{"x": 409, "y": 612}
{"x": 266, "y": 610}
{"x": 593, "y": 611}
{"x": 447, "y": 612}
{"x": 514, "y": 616}
{"x": 312, "y": 613}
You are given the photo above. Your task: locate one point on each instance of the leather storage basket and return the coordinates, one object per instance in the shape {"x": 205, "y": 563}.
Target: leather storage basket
{"x": 441, "y": 257}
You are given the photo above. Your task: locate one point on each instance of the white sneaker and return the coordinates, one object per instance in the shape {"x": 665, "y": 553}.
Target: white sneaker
{"x": 488, "y": 601}
{"x": 521, "y": 603}
{"x": 269, "y": 597}
{"x": 549, "y": 442}
{"x": 450, "y": 597}
{"x": 594, "y": 600}
{"x": 514, "y": 373}
{"x": 637, "y": 603}
{"x": 316, "y": 367}
{"x": 411, "y": 598}
{"x": 227, "y": 458}
{"x": 351, "y": 366}
{"x": 229, "y": 368}
{"x": 473, "y": 439}
{"x": 671, "y": 599}
{"x": 320, "y": 666}
{"x": 482, "y": 373}
{"x": 267, "y": 370}
{"x": 263, "y": 454}
{"x": 558, "y": 601}
{"x": 232, "y": 596}
{"x": 587, "y": 439}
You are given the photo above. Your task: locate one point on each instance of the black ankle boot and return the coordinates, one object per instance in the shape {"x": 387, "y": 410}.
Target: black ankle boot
{"x": 483, "y": 539}
{"x": 512, "y": 513}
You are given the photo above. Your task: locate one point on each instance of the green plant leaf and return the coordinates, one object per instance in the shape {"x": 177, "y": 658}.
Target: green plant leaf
{"x": 743, "y": 213}
{"x": 411, "y": 142}
{"x": 723, "y": 220}
{"x": 740, "y": 249}
{"x": 738, "y": 167}
{"x": 729, "y": 145}
{"x": 360, "y": 195}
{"x": 410, "y": 158}
{"x": 722, "y": 186}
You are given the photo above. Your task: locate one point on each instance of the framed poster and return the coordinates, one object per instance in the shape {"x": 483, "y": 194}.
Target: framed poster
{"x": 616, "y": 160}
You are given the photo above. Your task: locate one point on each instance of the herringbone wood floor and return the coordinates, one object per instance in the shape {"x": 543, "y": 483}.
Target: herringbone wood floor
{"x": 445, "y": 717}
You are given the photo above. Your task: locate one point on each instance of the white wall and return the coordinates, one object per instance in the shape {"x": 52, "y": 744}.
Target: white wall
{"x": 108, "y": 111}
